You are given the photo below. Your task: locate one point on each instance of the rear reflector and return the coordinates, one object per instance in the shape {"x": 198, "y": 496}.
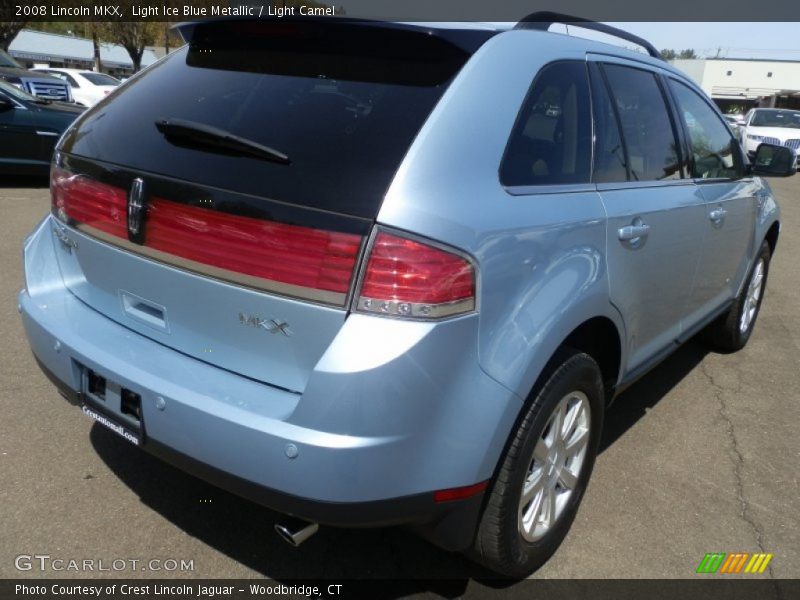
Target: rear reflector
{"x": 407, "y": 278}
{"x": 296, "y": 261}
{"x": 461, "y": 493}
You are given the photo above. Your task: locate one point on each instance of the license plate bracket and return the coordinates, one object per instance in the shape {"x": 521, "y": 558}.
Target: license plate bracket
{"x": 113, "y": 406}
{"x": 112, "y": 423}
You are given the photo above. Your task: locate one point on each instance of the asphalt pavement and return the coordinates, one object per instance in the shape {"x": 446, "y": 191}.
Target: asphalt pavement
{"x": 702, "y": 455}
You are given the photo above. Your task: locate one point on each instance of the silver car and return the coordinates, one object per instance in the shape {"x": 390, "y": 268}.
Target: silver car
{"x": 373, "y": 274}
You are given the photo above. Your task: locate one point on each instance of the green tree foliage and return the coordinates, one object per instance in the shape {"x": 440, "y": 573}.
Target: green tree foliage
{"x": 669, "y": 54}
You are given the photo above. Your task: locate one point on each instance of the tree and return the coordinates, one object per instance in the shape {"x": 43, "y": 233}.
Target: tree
{"x": 133, "y": 36}
{"x": 688, "y": 53}
{"x": 668, "y": 54}
{"x": 9, "y": 28}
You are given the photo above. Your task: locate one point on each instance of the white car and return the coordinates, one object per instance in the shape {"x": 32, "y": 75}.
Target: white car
{"x": 88, "y": 87}
{"x": 771, "y": 126}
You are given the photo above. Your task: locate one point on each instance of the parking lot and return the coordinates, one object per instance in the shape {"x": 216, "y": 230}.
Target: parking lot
{"x": 702, "y": 455}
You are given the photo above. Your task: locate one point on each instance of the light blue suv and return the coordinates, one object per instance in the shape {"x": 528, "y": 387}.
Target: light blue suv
{"x": 373, "y": 274}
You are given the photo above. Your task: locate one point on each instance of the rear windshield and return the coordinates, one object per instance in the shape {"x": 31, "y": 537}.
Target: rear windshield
{"x": 344, "y": 103}
{"x": 99, "y": 78}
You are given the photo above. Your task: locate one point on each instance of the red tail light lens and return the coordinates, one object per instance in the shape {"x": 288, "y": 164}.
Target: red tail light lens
{"x": 296, "y": 261}
{"x": 89, "y": 202}
{"x": 293, "y": 255}
{"x": 407, "y": 278}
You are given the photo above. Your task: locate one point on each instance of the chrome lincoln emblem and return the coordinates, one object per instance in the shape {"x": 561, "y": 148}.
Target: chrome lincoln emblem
{"x": 136, "y": 210}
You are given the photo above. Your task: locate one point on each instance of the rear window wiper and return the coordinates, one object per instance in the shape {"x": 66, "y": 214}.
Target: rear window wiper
{"x": 213, "y": 138}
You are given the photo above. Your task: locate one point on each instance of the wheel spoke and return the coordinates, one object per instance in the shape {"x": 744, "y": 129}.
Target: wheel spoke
{"x": 572, "y": 415}
{"x": 550, "y": 507}
{"x": 529, "y": 514}
{"x": 560, "y": 419}
{"x": 531, "y": 489}
{"x": 541, "y": 451}
{"x": 577, "y": 442}
{"x": 568, "y": 479}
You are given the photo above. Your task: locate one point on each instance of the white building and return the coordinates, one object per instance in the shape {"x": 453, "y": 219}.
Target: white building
{"x": 41, "y": 49}
{"x": 742, "y": 82}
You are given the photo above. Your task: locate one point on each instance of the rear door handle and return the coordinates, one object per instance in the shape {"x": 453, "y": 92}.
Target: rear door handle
{"x": 633, "y": 232}
{"x": 717, "y": 215}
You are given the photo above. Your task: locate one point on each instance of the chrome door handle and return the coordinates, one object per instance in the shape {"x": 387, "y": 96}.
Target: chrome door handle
{"x": 633, "y": 232}
{"x": 717, "y": 215}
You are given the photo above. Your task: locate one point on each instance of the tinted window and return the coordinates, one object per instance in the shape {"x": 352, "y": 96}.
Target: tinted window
{"x": 551, "y": 141}
{"x": 609, "y": 153}
{"x": 713, "y": 148}
{"x": 99, "y": 78}
{"x": 343, "y": 101}
{"x": 646, "y": 126}
{"x": 776, "y": 118}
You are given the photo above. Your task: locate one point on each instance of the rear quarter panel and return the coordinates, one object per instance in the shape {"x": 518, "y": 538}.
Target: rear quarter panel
{"x": 542, "y": 269}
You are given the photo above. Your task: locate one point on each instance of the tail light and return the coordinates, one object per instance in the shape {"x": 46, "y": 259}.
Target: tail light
{"x": 409, "y": 278}
{"x": 292, "y": 260}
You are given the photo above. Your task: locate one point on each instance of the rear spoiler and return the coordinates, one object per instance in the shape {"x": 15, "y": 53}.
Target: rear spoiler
{"x": 468, "y": 40}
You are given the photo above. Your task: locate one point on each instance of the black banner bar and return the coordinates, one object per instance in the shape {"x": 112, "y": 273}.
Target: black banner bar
{"x": 733, "y": 588}
{"x": 398, "y": 10}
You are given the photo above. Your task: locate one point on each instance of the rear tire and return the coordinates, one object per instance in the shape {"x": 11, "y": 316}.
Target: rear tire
{"x": 549, "y": 458}
{"x": 731, "y": 331}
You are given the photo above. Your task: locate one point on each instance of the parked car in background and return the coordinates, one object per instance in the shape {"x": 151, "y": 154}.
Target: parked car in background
{"x": 282, "y": 262}
{"x": 733, "y": 123}
{"x": 37, "y": 84}
{"x": 88, "y": 87}
{"x": 778, "y": 126}
{"x": 29, "y": 130}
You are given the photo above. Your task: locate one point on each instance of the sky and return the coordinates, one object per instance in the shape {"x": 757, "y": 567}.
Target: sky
{"x": 708, "y": 39}
{"x": 727, "y": 40}
{"x": 732, "y": 40}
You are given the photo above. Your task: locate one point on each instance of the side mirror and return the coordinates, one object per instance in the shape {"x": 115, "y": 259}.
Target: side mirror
{"x": 5, "y": 104}
{"x": 741, "y": 122}
{"x": 774, "y": 161}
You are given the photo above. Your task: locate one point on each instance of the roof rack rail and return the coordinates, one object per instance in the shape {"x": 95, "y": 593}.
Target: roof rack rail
{"x": 542, "y": 21}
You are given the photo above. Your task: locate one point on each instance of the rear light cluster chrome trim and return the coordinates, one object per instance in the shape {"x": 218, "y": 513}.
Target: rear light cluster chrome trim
{"x": 256, "y": 283}
{"x": 414, "y": 309}
{"x": 272, "y": 256}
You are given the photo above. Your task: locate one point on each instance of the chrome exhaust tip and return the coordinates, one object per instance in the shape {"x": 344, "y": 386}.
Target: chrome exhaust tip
{"x": 296, "y": 531}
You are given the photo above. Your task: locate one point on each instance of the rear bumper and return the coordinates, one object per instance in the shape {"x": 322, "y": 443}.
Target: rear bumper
{"x": 371, "y": 442}
{"x": 450, "y": 525}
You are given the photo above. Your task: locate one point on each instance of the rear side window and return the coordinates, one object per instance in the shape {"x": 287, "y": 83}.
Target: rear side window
{"x": 646, "y": 126}
{"x": 552, "y": 140}
{"x": 100, "y": 78}
{"x": 344, "y": 102}
{"x": 610, "y": 164}
{"x": 714, "y": 151}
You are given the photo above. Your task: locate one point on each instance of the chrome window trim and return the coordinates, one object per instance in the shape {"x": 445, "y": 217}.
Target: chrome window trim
{"x": 553, "y": 188}
{"x": 624, "y": 185}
